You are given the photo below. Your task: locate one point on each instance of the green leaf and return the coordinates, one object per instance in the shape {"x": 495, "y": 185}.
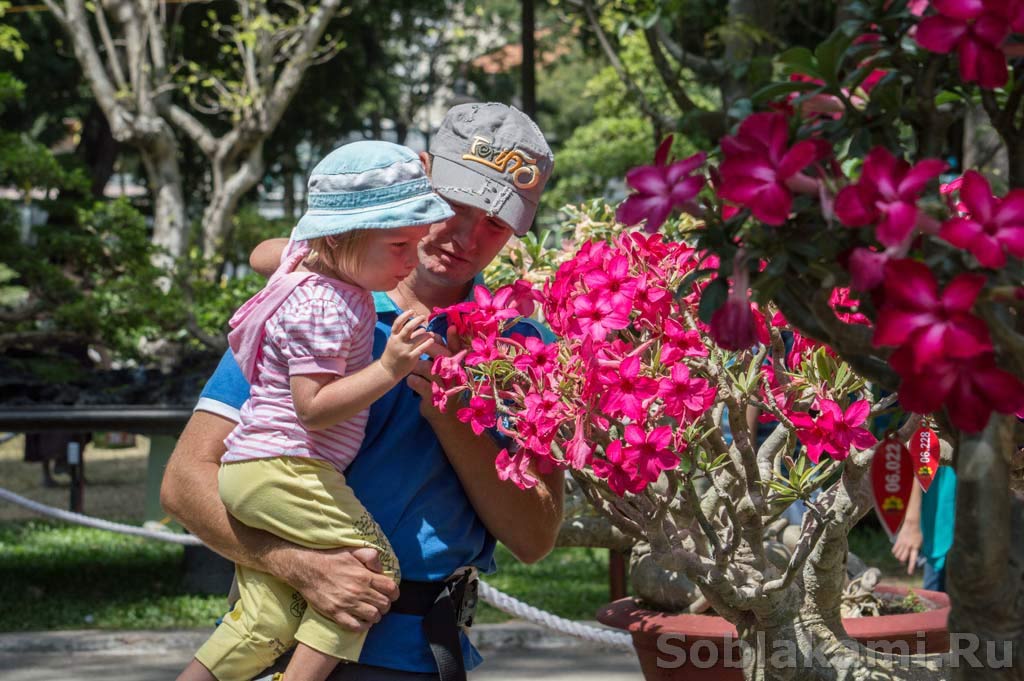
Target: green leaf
{"x": 713, "y": 298}
{"x": 947, "y": 97}
{"x": 799, "y": 60}
{"x": 830, "y": 54}
{"x": 775, "y": 91}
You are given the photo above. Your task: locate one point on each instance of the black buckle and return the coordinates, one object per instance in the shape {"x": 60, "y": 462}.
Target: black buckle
{"x": 463, "y": 585}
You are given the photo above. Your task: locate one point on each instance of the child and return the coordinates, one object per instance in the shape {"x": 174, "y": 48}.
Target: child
{"x": 304, "y": 343}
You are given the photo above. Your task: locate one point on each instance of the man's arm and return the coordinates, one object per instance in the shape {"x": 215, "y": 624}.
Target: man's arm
{"x": 526, "y": 521}
{"x": 343, "y": 584}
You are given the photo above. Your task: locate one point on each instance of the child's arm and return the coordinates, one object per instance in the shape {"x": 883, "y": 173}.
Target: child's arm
{"x": 323, "y": 400}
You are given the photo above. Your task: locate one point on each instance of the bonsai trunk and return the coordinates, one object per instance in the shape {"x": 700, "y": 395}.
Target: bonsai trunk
{"x": 985, "y": 567}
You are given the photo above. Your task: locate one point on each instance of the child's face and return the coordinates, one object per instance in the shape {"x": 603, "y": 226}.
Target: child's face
{"x": 390, "y": 256}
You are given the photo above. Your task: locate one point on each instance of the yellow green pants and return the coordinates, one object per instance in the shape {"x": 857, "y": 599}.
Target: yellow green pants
{"x": 307, "y": 502}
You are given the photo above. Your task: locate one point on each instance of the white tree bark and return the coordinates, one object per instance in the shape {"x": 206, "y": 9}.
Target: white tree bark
{"x": 125, "y": 90}
{"x": 129, "y": 78}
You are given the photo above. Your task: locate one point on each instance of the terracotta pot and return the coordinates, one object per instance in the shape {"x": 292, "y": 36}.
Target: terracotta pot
{"x": 691, "y": 642}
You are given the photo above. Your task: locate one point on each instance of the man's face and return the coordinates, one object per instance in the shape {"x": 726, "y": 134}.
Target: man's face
{"x": 457, "y": 250}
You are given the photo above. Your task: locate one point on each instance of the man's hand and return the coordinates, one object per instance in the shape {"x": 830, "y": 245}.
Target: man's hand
{"x": 345, "y": 585}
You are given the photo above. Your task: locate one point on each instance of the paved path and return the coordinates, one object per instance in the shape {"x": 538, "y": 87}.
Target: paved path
{"x": 513, "y": 651}
{"x": 558, "y": 664}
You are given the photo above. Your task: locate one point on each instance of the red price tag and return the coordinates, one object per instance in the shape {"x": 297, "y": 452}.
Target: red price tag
{"x": 924, "y": 456}
{"x": 892, "y": 478}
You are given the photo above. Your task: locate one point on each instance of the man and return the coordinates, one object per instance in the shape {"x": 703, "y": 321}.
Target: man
{"x": 424, "y": 476}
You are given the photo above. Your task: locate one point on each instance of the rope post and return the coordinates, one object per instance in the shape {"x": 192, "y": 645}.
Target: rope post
{"x": 616, "y": 574}
{"x": 74, "y": 454}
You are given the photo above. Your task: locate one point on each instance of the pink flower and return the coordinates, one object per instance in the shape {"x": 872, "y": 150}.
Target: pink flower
{"x": 619, "y": 470}
{"x": 811, "y": 433}
{"x": 976, "y": 29}
{"x": 886, "y": 195}
{"x": 842, "y": 303}
{"x": 578, "y": 451}
{"x": 970, "y": 388}
{"x": 761, "y": 171}
{"x": 626, "y": 391}
{"x": 660, "y": 188}
{"x": 834, "y": 431}
{"x": 597, "y": 315}
{"x": 515, "y": 468}
{"x": 613, "y": 280}
{"x": 480, "y": 414}
{"x": 679, "y": 343}
{"x": 648, "y": 453}
{"x": 732, "y": 325}
{"x": 653, "y": 302}
{"x": 933, "y": 326}
{"x": 522, "y": 296}
{"x": 685, "y": 398}
{"x": 485, "y": 349}
{"x": 844, "y": 427}
{"x": 867, "y": 268}
{"x": 993, "y": 228}
{"x": 539, "y": 357}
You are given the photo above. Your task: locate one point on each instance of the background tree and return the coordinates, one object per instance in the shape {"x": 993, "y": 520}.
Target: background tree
{"x": 227, "y": 109}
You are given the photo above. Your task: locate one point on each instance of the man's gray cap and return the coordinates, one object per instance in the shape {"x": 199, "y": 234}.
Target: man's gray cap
{"x": 493, "y": 157}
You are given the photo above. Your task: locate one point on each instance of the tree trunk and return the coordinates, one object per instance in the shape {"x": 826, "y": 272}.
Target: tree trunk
{"x": 806, "y": 649}
{"x": 740, "y": 48}
{"x": 229, "y": 186}
{"x": 985, "y": 567}
{"x": 98, "y": 150}
{"x": 984, "y": 149}
{"x": 170, "y": 220}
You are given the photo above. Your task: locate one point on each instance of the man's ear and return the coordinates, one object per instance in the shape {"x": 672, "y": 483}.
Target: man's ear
{"x": 425, "y": 157}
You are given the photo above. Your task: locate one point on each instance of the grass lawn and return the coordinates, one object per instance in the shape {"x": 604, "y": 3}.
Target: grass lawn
{"x": 53, "y": 576}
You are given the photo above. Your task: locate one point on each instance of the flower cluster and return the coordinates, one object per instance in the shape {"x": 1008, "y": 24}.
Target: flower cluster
{"x": 942, "y": 349}
{"x": 630, "y": 384}
{"x": 977, "y": 31}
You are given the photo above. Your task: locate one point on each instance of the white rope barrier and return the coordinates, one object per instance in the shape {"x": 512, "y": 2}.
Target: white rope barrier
{"x": 513, "y": 606}
{"x": 98, "y": 523}
{"x": 488, "y": 593}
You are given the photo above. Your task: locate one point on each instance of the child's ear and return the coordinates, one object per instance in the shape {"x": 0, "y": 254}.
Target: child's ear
{"x": 425, "y": 157}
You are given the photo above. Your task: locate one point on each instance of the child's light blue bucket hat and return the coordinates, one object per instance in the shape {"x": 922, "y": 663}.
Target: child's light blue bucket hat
{"x": 369, "y": 185}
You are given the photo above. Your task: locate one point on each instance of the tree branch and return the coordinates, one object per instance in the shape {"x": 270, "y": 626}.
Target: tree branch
{"x": 670, "y": 79}
{"x": 659, "y": 121}
{"x": 194, "y": 128}
{"x": 288, "y": 81}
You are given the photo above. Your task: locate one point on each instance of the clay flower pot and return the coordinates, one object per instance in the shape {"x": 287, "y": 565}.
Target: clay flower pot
{"x": 697, "y": 647}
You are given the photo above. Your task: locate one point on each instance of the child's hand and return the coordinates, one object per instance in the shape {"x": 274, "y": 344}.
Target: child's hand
{"x": 409, "y": 339}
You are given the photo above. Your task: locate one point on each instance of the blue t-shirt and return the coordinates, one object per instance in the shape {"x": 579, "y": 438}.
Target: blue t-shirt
{"x": 403, "y": 478}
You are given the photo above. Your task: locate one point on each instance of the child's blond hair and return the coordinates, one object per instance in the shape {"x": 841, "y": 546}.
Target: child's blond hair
{"x": 340, "y": 254}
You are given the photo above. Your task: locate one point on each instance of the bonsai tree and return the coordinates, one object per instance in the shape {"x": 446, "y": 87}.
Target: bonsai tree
{"x": 822, "y": 217}
{"x": 651, "y": 418}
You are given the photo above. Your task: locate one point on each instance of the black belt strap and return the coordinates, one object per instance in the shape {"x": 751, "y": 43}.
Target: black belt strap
{"x": 445, "y": 608}
{"x": 442, "y": 631}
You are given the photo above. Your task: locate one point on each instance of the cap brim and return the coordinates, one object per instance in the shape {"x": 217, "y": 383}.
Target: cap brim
{"x": 417, "y": 211}
{"x": 459, "y": 184}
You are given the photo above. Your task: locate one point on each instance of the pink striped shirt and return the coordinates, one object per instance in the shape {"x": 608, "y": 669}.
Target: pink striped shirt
{"x": 324, "y": 326}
